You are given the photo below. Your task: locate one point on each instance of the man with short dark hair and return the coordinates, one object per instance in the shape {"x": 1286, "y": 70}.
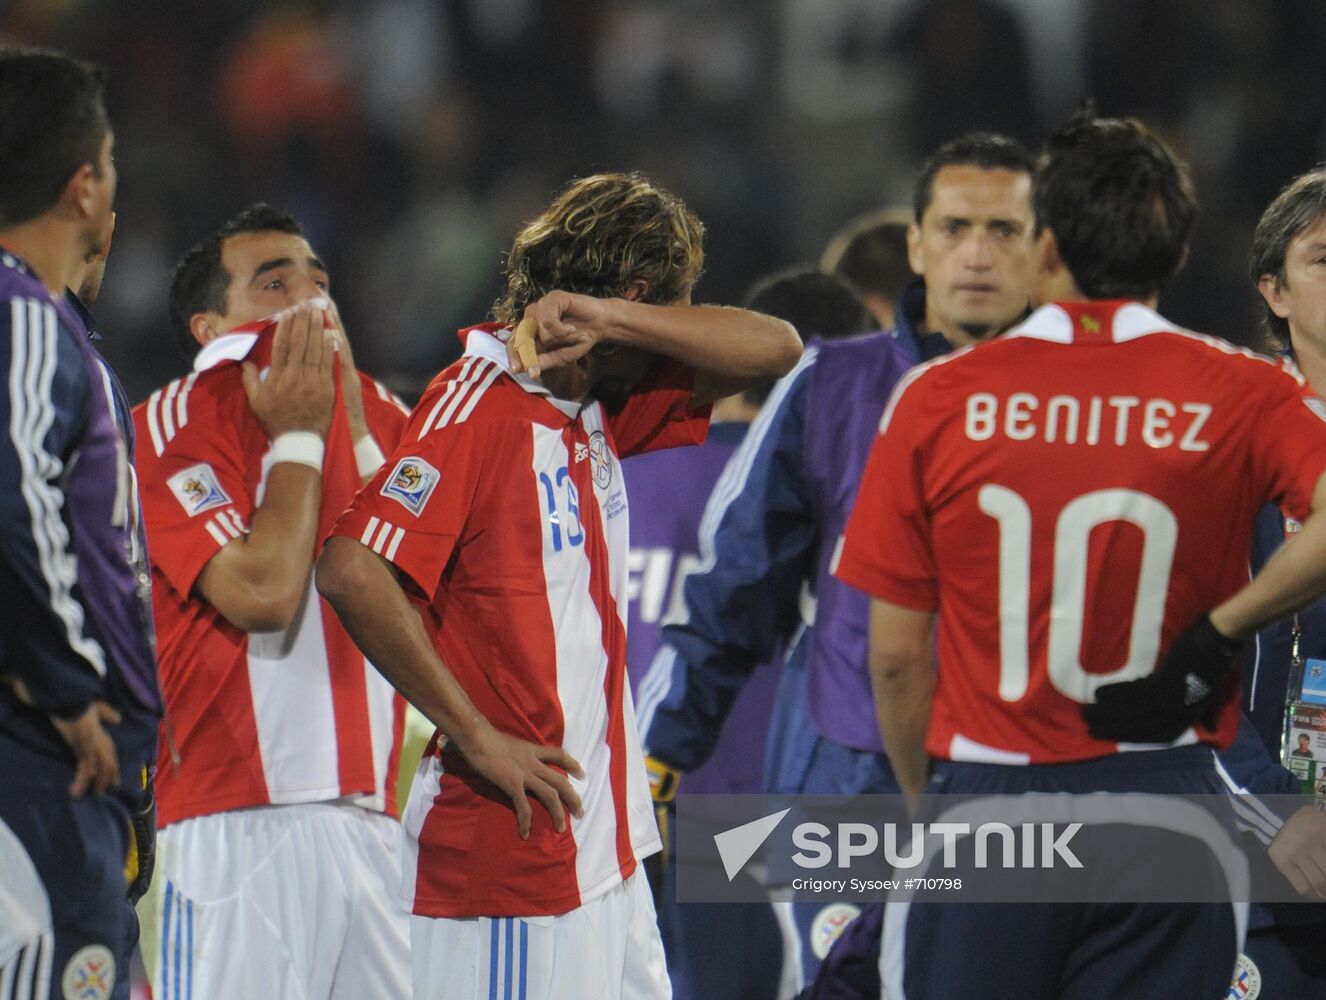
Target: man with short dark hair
{"x": 503, "y": 516}
{"x": 276, "y": 785}
{"x": 870, "y": 254}
{"x": 79, "y": 699}
{"x": 1078, "y": 497}
{"x": 784, "y": 498}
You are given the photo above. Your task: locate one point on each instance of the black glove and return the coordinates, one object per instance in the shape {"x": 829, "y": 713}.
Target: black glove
{"x": 1188, "y": 687}
{"x": 142, "y": 857}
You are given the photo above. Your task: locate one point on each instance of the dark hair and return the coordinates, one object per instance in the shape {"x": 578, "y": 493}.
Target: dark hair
{"x": 200, "y": 281}
{"x": 987, "y": 150}
{"x": 1298, "y": 206}
{"x": 817, "y": 304}
{"x": 52, "y": 121}
{"x": 870, "y": 254}
{"x": 1120, "y": 203}
{"x": 600, "y": 235}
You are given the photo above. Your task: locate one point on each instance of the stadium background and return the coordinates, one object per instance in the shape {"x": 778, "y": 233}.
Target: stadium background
{"x": 412, "y": 136}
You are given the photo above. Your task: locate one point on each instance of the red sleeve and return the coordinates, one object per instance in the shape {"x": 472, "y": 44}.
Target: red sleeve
{"x": 385, "y": 412}
{"x": 195, "y": 489}
{"x": 658, "y": 413}
{"x": 415, "y": 509}
{"x": 886, "y": 547}
{"x": 1292, "y": 455}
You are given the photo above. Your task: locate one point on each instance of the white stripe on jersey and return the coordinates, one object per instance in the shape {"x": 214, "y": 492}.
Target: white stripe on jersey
{"x": 578, "y": 636}
{"x": 382, "y": 536}
{"x": 153, "y": 426}
{"x": 386, "y": 395}
{"x": 394, "y": 544}
{"x": 217, "y": 534}
{"x": 168, "y": 411}
{"x": 32, "y": 412}
{"x": 484, "y": 374}
{"x": 1250, "y": 814}
{"x": 367, "y": 537}
{"x": 451, "y": 390}
{"x": 289, "y": 679}
{"x": 182, "y": 402}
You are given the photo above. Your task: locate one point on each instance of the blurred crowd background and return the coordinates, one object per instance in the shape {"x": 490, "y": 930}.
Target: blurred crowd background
{"x": 412, "y": 137}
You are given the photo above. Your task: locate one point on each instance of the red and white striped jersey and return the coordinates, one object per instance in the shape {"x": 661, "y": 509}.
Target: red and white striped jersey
{"x": 505, "y": 507}
{"x": 270, "y": 718}
{"x": 1070, "y": 497}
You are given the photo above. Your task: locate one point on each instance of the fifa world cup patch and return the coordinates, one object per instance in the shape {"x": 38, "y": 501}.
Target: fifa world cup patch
{"x": 89, "y": 974}
{"x": 411, "y": 483}
{"x": 197, "y": 489}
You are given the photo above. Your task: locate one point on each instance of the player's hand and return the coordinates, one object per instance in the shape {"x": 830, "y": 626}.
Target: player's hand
{"x": 521, "y": 769}
{"x": 1299, "y": 851}
{"x": 298, "y": 392}
{"x": 556, "y": 331}
{"x": 352, "y": 390}
{"x": 1187, "y": 688}
{"x": 98, "y": 765}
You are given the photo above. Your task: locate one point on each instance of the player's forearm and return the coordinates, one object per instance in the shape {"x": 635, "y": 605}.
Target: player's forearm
{"x": 259, "y": 581}
{"x": 1291, "y": 579}
{"x": 735, "y": 345}
{"x": 386, "y": 627}
{"x": 902, "y": 677}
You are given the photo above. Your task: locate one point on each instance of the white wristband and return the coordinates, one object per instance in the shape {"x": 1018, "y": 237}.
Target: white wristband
{"x": 368, "y": 456}
{"x": 303, "y": 447}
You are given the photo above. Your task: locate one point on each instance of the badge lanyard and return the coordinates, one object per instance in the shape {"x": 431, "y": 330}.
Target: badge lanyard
{"x": 1303, "y": 742}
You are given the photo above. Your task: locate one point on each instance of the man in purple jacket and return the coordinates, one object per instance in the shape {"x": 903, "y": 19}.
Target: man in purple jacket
{"x": 786, "y": 495}
{"x": 79, "y": 701}
{"x": 670, "y": 490}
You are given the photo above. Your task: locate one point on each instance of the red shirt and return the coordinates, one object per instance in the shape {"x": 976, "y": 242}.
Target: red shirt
{"x": 1070, "y": 497}
{"x": 293, "y": 716}
{"x": 506, "y": 509}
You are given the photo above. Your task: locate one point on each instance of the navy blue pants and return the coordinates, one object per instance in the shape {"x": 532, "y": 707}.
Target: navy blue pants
{"x": 953, "y": 950}
{"x": 77, "y": 847}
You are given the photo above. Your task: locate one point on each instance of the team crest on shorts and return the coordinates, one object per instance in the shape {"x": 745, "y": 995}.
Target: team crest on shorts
{"x": 1247, "y": 981}
{"x": 89, "y": 974}
{"x": 600, "y": 460}
{"x": 197, "y": 489}
{"x": 828, "y": 925}
{"x": 411, "y": 483}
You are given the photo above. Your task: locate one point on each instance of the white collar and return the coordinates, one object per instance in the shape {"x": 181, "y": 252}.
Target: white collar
{"x": 490, "y": 347}
{"x": 227, "y": 347}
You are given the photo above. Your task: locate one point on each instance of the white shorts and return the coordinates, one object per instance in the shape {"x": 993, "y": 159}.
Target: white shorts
{"x": 608, "y": 949}
{"x": 297, "y": 902}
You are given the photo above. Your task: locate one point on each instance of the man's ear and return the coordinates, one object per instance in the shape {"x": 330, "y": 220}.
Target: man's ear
{"x": 204, "y": 327}
{"x": 636, "y": 290}
{"x": 1273, "y": 292}
{"x": 914, "y": 249}
{"x": 79, "y": 190}
{"x": 1046, "y": 253}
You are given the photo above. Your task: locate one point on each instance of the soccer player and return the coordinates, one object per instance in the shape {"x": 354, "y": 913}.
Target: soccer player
{"x": 1077, "y": 495}
{"x": 79, "y": 700}
{"x": 504, "y": 519}
{"x": 786, "y": 496}
{"x": 1283, "y": 951}
{"x": 672, "y": 490}
{"x": 244, "y": 465}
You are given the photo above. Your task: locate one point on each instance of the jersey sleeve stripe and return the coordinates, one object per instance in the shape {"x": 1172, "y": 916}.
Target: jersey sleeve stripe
{"x": 395, "y": 544}
{"x": 182, "y": 403}
{"x": 153, "y": 425}
{"x": 386, "y": 395}
{"x": 217, "y": 534}
{"x": 224, "y": 524}
{"x": 367, "y": 537}
{"x": 167, "y": 409}
{"x": 480, "y": 379}
{"x": 32, "y": 412}
{"x": 451, "y": 390}
{"x": 236, "y": 520}
{"x": 381, "y": 538}
{"x": 488, "y": 380}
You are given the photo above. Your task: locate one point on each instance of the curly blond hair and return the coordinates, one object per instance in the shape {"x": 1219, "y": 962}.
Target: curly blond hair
{"x": 600, "y": 236}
